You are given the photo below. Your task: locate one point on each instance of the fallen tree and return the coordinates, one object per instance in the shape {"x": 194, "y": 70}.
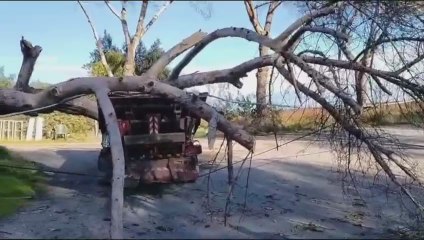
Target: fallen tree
{"x": 325, "y": 77}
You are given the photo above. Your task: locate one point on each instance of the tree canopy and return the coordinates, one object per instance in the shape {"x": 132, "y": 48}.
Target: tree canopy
{"x": 6, "y": 81}
{"x": 115, "y": 57}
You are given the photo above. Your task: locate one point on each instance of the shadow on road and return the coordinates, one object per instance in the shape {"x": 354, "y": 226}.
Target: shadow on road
{"x": 285, "y": 199}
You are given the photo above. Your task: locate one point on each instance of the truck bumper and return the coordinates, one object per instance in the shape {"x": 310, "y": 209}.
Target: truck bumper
{"x": 168, "y": 170}
{"x": 171, "y": 170}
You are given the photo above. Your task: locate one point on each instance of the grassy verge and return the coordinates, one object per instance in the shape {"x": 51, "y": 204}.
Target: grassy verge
{"x": 17, "y": 186}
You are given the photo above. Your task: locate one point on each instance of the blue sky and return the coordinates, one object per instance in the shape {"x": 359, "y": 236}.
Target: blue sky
{"x": 63, "y": 32}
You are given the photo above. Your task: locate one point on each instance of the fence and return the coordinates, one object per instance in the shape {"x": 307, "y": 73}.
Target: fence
{"x": 12, "y": 130}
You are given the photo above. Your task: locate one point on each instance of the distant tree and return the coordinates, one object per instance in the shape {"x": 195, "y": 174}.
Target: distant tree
{"x": 6, "y": 81}
{"x": 115, "y": 57}
{"x": 39, "y": 84}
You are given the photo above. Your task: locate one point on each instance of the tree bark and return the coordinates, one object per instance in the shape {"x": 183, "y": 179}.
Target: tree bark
{"x": 98, "y": 41}
{"x": 262, "y": 85}
{"x": 30, "y": 54}
{"x": 118, "y": 160}
{"x": 16, "y": 100}
{"x": 129, "y": 66}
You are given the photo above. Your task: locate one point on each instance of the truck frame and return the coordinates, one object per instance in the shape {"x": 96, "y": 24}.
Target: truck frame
{"x": 157, "y": 137}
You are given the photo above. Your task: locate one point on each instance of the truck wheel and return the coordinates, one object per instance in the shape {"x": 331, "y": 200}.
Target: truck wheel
{"x": 105, "y": 180}
{"x": 104, "y": 161}
{"x": 105, "y": 166}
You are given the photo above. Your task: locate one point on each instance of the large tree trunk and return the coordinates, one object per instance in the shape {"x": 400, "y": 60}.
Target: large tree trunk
{"x": 129, "y": 66}
{"x": 262, "y": 85}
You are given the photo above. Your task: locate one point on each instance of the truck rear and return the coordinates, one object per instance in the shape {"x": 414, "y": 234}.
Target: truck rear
{"x": 157, "y": 137}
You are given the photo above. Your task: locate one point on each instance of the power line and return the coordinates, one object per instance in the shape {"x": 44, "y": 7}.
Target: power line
{"x": 51, "y": 171}
{"x": 263, "y": 152}
{"x": 248, "y": 102}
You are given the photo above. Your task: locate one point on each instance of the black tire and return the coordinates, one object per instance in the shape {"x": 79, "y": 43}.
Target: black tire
{"x": 105, "y": 180}
{"x": 104, "y": 161}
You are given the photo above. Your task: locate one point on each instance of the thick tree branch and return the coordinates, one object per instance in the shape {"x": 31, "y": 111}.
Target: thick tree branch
{"x": 118, "y": 161}
{"x": 140, "y": 25}
{"x": 306, "y": 19}
{"x": 129, "y": 66}
{"x": 253, "y": 17}
{"x": 230, "y": 75}
{"x": 270, "y": 14}
{"x": 123, "y": 19}
{"x": 24, "y": 101}
{"x": 220, "y": 33}
{"x": 30, "y": 54}
{"x": 98, "y": 42}
{"x": 174, "y": 52}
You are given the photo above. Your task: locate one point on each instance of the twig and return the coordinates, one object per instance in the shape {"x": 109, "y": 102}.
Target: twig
{"x": 210, "y": 169}
{"x": 227, "y": 202}
{"x": 98, "y": 42}
{"x": 246, "y": 189}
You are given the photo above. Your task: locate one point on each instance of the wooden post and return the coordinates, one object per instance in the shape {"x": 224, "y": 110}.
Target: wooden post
{"x": 13, "y": 130}
{"x": 1, "y": 129}
{"x": 8, "y": 129}
{"x": 230, "y": 160}
{"x": 22, "y": 131}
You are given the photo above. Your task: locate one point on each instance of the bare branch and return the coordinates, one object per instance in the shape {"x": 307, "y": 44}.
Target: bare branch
{"x": 355, "y": 131}
{"x": 230, "y": 75}
{"x": 253, "y": 17}
{"x": 337, "y": 35}
{"x": 156, "y": 16}
{"x": 118, "y": 160}
{"x": 263, "y": 4}
{"x": 306, "y": 19}
{"x": 381, "y": 85}
{"x": 388, "y": 76}
{"x": 174, "y": 52}
{"x": 409, "y": 65}
{"x": 270, "y": 14}
{"x": 24, "y": 101}
{"x": 220, "y": 33}
{"x": 98, "y": 42}
{"x": 112, "y": 9}
{"x": 140, "y": 25}
{"x": 323, "y": 80}
{"x": 123, "y": 19}
{"x": 129, "y": 66}
{"x": 141, "y": 29}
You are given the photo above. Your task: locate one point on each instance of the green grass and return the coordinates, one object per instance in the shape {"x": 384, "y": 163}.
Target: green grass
{"x": 17, "y": 186}
{"x": 201, "y": 132}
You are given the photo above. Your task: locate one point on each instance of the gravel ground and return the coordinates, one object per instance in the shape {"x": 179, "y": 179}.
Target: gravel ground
{"x": 295, "y": 192}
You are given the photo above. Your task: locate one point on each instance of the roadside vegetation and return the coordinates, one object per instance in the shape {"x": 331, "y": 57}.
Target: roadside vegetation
{"x": 309, "y": 119}
{"x": 17, "y": 186}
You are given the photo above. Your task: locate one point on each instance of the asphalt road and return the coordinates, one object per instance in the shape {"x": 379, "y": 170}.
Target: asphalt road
{"x": 295, "y": 192}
